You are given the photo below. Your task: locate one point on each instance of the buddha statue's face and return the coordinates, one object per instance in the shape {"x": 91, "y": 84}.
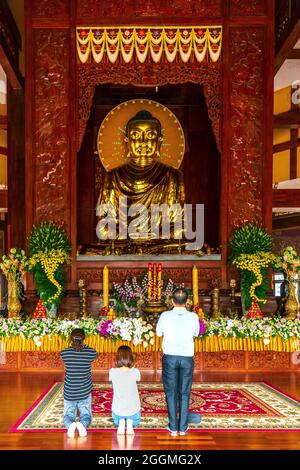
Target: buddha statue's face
{"x": 143, "y": 141}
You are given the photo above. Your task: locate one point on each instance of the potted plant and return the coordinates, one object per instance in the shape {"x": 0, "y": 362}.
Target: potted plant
{"x": 49, "y": 249}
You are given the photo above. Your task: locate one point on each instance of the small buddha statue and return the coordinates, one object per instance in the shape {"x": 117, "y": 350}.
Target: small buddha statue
{"x": 143, "y": 179}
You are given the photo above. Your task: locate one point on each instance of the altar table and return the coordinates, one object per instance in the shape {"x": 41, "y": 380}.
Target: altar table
{"x": 214, "y": 353}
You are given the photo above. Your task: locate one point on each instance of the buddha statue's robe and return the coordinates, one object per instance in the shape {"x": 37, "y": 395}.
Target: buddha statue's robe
{"x": 157, "y": 184}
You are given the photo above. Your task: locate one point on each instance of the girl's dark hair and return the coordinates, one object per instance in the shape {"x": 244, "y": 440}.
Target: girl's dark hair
{"x": 124, "y": 357}
{"x": 77, "y": 339}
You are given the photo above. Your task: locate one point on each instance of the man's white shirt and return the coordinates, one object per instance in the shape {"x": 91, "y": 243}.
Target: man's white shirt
{"x": 178, "y": 328}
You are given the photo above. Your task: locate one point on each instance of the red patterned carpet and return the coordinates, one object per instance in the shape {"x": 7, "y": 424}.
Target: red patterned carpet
{"x": 223, "y": 406}
{"x": 235, "y": 402}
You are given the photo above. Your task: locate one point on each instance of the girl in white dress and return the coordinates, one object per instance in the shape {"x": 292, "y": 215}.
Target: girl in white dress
{"x": 126, "y": 405}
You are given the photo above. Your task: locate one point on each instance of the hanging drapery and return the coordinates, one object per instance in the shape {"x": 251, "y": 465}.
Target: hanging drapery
{"x": 148, "y": 43}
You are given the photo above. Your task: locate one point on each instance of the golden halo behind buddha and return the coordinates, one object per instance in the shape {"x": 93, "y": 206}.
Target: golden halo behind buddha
{"x": 111, "y": 145}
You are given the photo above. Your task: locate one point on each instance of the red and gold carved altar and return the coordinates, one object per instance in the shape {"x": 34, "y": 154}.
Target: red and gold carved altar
{"x": 221, "y": 45}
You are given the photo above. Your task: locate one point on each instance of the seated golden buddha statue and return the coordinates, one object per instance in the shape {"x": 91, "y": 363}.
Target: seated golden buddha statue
{"x": 143, "y": 179}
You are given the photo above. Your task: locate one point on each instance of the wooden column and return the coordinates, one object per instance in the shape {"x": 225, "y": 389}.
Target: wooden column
{"x": 294, "y": 144}
{"x": 49, "y": 113}
{"x": 16, "y": 166}
{"x": 247, "y": 128}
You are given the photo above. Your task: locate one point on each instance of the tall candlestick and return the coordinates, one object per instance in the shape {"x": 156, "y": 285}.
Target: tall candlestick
{"x": 149, "y": 281}
{"x": 195, "y": 286}
{"x": 232, "y": 285}
{"x": 159, "y": 282}
{"x": 105, "y": 286}
{"x": 154, "y": 282}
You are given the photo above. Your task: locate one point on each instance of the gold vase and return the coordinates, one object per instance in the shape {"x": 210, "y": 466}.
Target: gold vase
{"x": 215, "y": 298}
{"x": 292, "y": 304}
{"x": 152, "y": 310}
{"x": 13, "y": 303}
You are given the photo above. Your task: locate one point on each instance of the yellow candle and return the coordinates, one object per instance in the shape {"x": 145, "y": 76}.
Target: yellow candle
{"x": 105, "y": 286}
{"x": 195, "y": 286}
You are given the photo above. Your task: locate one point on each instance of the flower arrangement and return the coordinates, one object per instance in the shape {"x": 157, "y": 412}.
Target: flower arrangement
{"x": 250, "y": 252}
{"x": 139, "y": 332}
{"x": 128, "y": 329}
{"x": 255, "y": 264}
{"x": 254, "y": 328}
{"x": 14, "y": 265}
{"x": 288, "y": 262}
{"x": 49, "y": 249}
{"x": 202, "y": 330}
{"x": 133, "y": 291}
{"x": 135, "y": 330}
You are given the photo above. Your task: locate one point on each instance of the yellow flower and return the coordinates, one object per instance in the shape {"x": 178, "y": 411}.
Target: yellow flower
{"x": 254, "y": 263}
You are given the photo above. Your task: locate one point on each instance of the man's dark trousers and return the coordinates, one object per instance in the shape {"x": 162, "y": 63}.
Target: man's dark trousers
{"x": 177, "y": 376}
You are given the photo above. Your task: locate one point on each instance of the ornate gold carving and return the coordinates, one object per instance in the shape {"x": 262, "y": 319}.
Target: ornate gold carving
{"x": 148, "y": 8}
{"x": 51, "y": 110}
{"x": 41, "y": 360}
{"x": 268, "y": 360}
{"x": 209, "y": 75}
{"x": 103, "y": 361}
{"x": 224, "y": 360}
{"x": 89, "y": 275}
{"x": 145, "y": 360}
{"x": 86, "y": 94}
{"x": 248, "y": 8}
{"x": 11, "y": 361}
{"x": 159, "y": 360}
{"x": 247, "y": 118}
{"x": 198, "y": 361}
{"x": 50, "y": 8}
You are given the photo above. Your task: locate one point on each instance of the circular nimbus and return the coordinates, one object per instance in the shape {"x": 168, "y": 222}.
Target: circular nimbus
{"x": 111, "y": 145}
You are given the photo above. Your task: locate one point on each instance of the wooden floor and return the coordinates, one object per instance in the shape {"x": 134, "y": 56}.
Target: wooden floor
{"x": 19, "y": 390}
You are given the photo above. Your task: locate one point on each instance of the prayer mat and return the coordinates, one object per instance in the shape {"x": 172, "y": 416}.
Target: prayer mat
{"x": 223, "y": 407}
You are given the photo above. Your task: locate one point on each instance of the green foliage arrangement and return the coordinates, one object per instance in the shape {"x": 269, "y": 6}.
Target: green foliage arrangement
{"x": 249, "y": 239}
{"x": 49, "y": 250}
{"x": 250, "y": 252}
